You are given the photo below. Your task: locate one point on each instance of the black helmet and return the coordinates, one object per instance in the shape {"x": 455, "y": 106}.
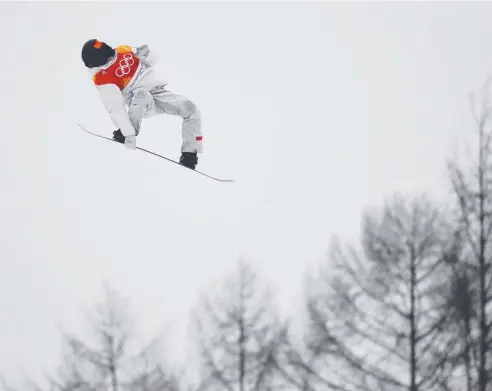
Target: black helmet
{"x": 96, "y": 53}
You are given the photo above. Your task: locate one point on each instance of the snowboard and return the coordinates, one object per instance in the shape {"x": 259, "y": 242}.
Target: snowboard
{"x": 160, "y": 156}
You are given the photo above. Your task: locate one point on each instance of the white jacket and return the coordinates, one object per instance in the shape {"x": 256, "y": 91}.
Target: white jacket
{"x": 115, "y": 100}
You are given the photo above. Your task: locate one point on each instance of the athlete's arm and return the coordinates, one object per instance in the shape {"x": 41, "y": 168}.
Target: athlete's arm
{"x": 145, "y": 54}
{"x": 114, "y": 103}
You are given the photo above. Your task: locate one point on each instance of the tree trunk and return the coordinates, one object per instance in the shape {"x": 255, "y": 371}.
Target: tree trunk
{"x": 413, "y": 331}
{"x": 482, "y": 375}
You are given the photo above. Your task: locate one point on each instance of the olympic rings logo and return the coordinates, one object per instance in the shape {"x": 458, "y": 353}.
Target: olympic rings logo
{"x": 125, "y": 65}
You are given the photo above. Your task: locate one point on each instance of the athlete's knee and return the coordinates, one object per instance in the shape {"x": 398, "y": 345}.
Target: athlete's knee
{"x": 141, "y": 105}
{"x": 190, "y": 110}
{"x": 141, "y": 98}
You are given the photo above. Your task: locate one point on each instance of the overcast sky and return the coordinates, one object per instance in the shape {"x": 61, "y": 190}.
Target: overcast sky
{"x": 316, "y": 110}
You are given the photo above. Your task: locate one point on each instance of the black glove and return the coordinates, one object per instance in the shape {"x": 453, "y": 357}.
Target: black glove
{"x": 118, "y": 136}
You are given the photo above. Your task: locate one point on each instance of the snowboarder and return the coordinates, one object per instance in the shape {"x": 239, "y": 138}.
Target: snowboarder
{"x": 125, "y": 78}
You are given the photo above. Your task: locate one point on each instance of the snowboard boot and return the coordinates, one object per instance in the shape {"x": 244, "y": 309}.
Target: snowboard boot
{"x": 189, "y": 159}
{"x": 118, "y": 136}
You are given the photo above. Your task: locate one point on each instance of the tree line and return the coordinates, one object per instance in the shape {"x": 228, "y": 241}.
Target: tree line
{"x": 407, "y": 308}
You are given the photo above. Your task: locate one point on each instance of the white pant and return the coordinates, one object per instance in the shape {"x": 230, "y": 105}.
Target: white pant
{"x": 147, "y": 103}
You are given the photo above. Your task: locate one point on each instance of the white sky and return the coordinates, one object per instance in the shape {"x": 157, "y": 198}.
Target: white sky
{"x": 315, "y": 109}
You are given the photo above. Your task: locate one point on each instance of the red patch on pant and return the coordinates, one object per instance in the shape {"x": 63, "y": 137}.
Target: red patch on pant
{"x": 198, "y": 138}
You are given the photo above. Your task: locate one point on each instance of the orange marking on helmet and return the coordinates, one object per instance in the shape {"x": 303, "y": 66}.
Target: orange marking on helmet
{"x": 97, "y": 44}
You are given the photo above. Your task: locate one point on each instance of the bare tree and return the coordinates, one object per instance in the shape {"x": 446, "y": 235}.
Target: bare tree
{"x": 114, "y": 361}
{"x": 376, "y": 321}
{"x": 472, "y": 187}
{"x": 462, "y": 316}
{"x": 237, "y": 330}
{"x": 294, "y": 363}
